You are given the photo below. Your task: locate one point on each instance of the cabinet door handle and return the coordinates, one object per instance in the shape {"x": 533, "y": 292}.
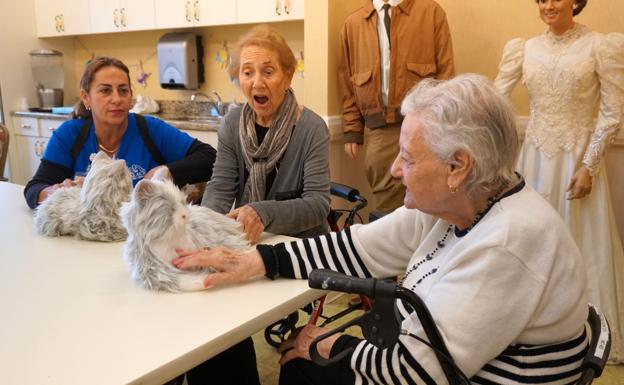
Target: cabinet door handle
{"x": 123, "y": 17}
{"x": 36, "y": 147}
{"x": 57, "y": 23}
{"x": 115, "y": 18}
{"x": 196, "y": 10}
{"x": 187, "y": 11}
{"x": 25, "y": 126}
{"x": 51, "y": 129}
{"x": 62, "y": 23}
{"x": 277, "y": 7}
{"x": 287, "y": 7}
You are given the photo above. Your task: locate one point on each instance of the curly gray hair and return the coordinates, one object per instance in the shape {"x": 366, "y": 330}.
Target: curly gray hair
{"x": 467, "y": 113}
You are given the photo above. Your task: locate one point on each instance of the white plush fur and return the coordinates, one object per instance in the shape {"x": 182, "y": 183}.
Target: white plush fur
{"x": 158, "y": 222}
{"x": 58, "y": 214}
{"x": 107, "y": 185}
{"x": 91, "y": 212}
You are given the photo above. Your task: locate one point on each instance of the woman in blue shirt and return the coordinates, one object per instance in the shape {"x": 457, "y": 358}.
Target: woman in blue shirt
{"x": 102, "y": 122}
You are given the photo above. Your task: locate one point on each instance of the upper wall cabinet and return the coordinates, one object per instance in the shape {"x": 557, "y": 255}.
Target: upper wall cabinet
{"x": 76, "y": 17}
{"x": 121, "y": 15}
{"x": 258, "y": 11}
{"x": 194, "y": 13}
{"x": 61, "y": 17}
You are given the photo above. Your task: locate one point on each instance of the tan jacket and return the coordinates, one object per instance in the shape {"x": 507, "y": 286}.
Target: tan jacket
{"x": 421, "y": 47}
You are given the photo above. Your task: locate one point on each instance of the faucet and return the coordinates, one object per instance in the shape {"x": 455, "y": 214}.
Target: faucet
{"x": 222, "y": 108}
{"x": 213, "y": 107}
{"x": 215, "y": 93}
{"x": 196, "y": 94}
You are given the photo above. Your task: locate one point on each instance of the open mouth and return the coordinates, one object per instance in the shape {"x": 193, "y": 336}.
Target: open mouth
{"x": 261, "y": 99}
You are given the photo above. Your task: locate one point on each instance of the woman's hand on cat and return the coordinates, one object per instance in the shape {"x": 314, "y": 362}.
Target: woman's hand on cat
{"x": 250, "y": 220}
{"x": 46, "y": 192}
{"x": 231, "y": 266}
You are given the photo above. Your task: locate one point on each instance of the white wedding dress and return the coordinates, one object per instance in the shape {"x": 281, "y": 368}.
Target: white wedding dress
{"x": 567, "y": 77}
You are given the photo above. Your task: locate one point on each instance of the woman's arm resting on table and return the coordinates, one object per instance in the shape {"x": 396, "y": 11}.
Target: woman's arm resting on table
{"x": 42, "y": 184}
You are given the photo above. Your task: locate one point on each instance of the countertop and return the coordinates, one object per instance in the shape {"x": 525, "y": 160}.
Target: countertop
{"x": 198, "y": 124}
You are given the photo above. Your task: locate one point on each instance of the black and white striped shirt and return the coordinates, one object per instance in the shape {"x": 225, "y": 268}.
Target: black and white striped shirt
{"x": 508, "y": 297}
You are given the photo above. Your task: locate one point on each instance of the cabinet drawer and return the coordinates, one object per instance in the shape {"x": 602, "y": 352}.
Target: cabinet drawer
{"x": 209, "y": 137}
{"x": 47, "y": 126}
{"x": 26, "y": 126}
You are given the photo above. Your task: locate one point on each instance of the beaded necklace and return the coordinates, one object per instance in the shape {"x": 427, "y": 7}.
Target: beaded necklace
{"x": 491, "y": 201}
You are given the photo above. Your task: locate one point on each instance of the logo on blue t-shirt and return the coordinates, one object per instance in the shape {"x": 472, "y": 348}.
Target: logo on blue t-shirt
{"x": 137, "y": 172}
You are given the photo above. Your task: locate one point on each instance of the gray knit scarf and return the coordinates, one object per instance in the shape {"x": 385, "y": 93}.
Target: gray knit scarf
{"x": 261, "y": 160}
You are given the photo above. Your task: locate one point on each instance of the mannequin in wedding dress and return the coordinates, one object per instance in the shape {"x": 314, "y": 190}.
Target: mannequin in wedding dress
{"x": 568, "y": 71}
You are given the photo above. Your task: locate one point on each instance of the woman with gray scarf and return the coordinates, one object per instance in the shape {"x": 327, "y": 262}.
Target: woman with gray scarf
{"x": 273, "y": 154}
{"x": 272, "y": 166}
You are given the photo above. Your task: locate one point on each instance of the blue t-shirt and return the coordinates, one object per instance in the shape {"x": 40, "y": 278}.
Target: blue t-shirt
{"x": 172, "y": 143}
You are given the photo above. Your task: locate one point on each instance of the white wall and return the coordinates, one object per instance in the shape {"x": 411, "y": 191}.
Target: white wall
{"x": 17, "y": 38}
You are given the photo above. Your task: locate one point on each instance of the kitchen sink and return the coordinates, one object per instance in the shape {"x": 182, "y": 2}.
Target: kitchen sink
{"x": 190, "y": 121}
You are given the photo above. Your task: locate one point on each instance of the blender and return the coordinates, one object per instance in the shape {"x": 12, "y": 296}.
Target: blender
{"x": 47, "y": 71}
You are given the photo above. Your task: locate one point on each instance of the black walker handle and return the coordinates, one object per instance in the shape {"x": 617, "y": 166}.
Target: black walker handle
{"x": 381, "y": 325}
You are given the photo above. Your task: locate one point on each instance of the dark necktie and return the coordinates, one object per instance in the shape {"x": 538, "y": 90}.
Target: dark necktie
{"x": 386, "y": 8}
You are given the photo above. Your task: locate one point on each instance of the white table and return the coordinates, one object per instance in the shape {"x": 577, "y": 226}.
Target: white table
{"x": 70, "y": 313}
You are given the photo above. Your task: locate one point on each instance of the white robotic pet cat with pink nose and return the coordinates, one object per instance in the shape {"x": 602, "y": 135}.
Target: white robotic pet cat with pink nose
{"x": 159, "y": 221}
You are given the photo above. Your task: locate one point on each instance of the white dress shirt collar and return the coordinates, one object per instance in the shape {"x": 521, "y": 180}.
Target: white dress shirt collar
{"x": 378, "y": 4}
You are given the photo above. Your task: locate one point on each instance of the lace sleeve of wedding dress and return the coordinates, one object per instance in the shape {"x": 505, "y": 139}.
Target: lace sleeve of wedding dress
{"x": 610, "y": 69}
{"x": 510, "y": 67}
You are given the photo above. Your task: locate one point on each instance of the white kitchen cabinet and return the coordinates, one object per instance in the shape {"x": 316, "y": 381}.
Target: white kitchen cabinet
{"x": 31, "y": 137}
{"x": 260, "y": 11}
{"x": 61, "y": 17}
{"x": 31, "y": 150}
{"x": 209, "y": 137}
{"x": 194, "y": 13}
{"x": 121, "y": 15}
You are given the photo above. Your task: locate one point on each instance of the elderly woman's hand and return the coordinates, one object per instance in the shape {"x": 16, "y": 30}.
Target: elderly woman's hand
{"x": 298, "y": 343}
{"x": 250, "y": 220}
{"x": 231, "y": 266}
{"x": 580, "y": 184}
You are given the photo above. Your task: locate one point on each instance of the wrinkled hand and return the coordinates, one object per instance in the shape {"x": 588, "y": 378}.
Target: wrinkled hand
{"x": 78, "y": 181}
{"x": 166, "y": 173}
{"x": 298, "y": 343}
{"x": 46, "y": 192}
{"x": 580, "y": 184}
{"x": 231, "y": 266}
{"x": 352, "y": 149}
{"x": 250, "y": 220}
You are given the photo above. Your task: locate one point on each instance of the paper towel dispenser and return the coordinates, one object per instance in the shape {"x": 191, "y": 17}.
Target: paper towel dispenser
{"x": 180, "y": 60}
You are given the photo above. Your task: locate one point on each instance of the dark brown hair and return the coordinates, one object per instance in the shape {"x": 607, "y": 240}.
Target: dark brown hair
{"x": 80, "y": 111}
{"x": 265, "y": 37}
{"x": 578, "y": 6}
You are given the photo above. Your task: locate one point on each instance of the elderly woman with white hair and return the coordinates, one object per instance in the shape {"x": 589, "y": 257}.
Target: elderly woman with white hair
{"x": 494, "y": 263}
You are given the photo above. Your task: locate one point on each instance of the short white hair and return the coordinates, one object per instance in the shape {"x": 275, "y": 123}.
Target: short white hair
{"x": 467, "y": 113}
